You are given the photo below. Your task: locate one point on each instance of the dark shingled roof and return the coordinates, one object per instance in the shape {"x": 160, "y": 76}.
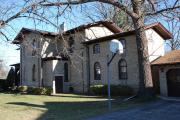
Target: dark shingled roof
{"x": 110, "y": 25}
{"x": 172, "y": 57}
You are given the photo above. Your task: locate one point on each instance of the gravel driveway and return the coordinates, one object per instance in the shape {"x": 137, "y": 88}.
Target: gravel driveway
{"x": 159, "y": 110}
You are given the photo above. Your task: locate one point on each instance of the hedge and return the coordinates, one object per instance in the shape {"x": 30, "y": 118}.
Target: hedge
{"x": 35, "y": 90}
{"x": 116, "y": 90}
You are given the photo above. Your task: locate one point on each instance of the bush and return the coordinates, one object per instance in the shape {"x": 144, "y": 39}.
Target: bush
{"x": 71, "y": 89}
{"x": 116, "y": 90}
{"x": 38, "y": 91}
{"x": 30, "y": 90}
{"x": 41, "y": 91}
{"x": 48, "y": 91}
{"x": 22, "y": 88}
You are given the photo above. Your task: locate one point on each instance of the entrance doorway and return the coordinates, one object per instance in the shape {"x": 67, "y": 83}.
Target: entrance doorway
{"x": 59, "y": 84}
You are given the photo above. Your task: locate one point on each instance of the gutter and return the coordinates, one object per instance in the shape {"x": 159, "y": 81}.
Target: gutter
{"x": 88, "y": 68}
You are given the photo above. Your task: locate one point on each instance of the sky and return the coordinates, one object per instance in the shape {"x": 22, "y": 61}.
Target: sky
{"x": 8, "y": 51}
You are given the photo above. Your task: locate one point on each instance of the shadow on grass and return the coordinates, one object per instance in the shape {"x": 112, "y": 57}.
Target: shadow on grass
{"x": 67, "y": 110}
{"x": 77, "y": 110}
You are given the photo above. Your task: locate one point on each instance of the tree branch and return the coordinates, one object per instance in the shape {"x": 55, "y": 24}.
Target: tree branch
{"x": 111, "y": 2}
{"x": 163, "y": 10}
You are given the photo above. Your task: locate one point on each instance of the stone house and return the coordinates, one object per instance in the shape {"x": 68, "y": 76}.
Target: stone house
{"x": 74, "y": 60}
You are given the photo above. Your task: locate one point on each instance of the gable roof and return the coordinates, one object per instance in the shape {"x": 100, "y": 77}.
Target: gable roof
{"x": 20, "y": 35}
{"x": 172, "y": 57}
{"x": 110, "y": 25}
{"x": 158, "y": 27}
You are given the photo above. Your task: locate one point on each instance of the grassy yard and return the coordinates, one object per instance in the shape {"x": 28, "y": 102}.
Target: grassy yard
{"x": 61, "y": 107}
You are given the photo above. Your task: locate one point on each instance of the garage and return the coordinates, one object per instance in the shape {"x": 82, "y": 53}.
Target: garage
{"x": 166, "y": 74}
{"x": 173, "y": 82}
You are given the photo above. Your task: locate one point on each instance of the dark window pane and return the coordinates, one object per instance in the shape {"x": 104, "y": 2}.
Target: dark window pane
{"x": 66, "y": 72}
{"x": 122, "y": 69}
{"x": 33, "y": 73}
{"x": 97, "y": 71}
{"x": 96, "y": 48}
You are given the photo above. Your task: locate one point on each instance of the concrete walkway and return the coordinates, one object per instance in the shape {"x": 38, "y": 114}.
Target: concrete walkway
{"x": 159, "y": 110}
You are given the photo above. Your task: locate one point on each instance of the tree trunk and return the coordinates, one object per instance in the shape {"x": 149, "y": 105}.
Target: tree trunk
{"x": 145, "y": 78}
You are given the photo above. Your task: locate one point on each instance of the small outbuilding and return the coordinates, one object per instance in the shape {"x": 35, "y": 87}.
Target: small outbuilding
{"x": 168, "y": 79}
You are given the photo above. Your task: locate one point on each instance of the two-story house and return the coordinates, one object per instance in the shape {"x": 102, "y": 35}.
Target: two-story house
{"x": 74, "y": 60}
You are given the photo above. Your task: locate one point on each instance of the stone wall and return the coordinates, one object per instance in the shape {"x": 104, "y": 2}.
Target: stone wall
{"x": 130, "y": 56}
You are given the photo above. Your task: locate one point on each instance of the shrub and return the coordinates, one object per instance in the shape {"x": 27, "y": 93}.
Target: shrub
{"x": 38, "y": 91}
{"x": 71, "y": 89}
{"x": 30, "y": 90}
{"x": 22, "y": 88}
{"x": 98, "y": 90}
{"x": 116, "y": 90}
{"x": 48, "y": 90}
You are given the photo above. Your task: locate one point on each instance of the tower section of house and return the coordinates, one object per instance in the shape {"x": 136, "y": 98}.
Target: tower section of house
{"x": 124, "y": 68}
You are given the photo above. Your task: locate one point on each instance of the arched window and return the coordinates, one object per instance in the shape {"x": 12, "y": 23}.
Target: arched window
{"x": 122, "y": 69}
{"x": 71, "y": 41}
{"x": 97, "y": 71}
{"x": 66, "y": 72}
{"x": 34, "y": 47}
{"x": 71, "y": 44}
{"x": 33, "y": 73}
{"x": 96, "y": 49}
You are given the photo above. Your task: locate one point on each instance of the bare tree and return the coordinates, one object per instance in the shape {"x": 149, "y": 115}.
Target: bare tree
{"x": 174, "y": 27}
{"x": 111, "y": 13}
{"x": 136, "y": 10}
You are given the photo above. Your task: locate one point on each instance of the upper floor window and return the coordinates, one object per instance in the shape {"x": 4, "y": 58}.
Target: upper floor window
{"x": 123, "y": 42}
{"x": 34, "y": 46}
{"x": 96, "y": 48}
{"x": 71, "y": 43}
{"x": 33, "y": 73}
{"x": 65, "y": 72}
{"x": 122, "y": 69}
{"x": 97, "y": 71}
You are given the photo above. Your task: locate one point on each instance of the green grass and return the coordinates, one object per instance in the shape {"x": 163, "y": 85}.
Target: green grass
{"x": 61, "y": 107}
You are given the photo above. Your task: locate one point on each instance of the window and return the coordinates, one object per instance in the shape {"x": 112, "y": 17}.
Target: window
{"x": 71, "y": 43}
{"x": 33, "y": 73}
{"x": 34, "y": 47}
{"x": 123, "y": 42}
{"x": 97, "y": 71}
{"x": 122, "y": 69}
{"x": 66, "y": 72}
{"x": 96, "y": 48}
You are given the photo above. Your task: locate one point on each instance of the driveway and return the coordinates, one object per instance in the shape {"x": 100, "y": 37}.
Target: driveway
{"x": 159, "y": 110}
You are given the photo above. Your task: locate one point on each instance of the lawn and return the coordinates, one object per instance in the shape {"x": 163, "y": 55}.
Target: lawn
{"x": 61, "y": 107}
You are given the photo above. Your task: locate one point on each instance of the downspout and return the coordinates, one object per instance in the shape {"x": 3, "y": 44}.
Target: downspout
{"x": 82, "y": 72}
{"x": 39, "y": 71}
{"x": 88, "y": 69}
{"x": 39, "y": 65}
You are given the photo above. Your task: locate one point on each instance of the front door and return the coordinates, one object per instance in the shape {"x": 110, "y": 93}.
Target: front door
{"x": 59, "y": 84}
{"x": 173, "y": 81}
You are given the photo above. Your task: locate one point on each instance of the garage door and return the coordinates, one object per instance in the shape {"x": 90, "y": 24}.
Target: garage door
{"x": 173, "y": 82}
